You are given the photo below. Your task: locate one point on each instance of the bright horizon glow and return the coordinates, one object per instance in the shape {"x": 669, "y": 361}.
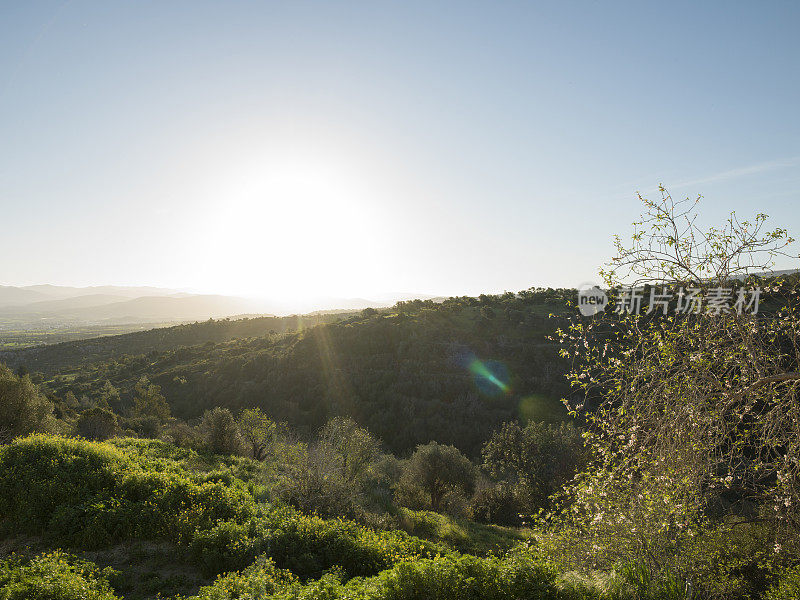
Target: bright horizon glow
{"x": 313, "y": 150}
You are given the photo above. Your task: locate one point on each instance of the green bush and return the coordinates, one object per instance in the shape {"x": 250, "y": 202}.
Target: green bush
{"x": 498, "y": 504}
{"x": 308, "y": 546}
{"x": 633, "y": 581}
{"x": 92, "y": 494}
{"x": 467, "y": 578}
{"x": 788, "y": 586}
{"x": 96, "y": 424}
{"x": 219, "y": 431}
{"x": 53, "y": 576}
{"x": 517, "y": 577}
{"x": 23, "y": 407}
{"x": 256, "y": 581}
{"x": 41, "y": 474}
{"x": 144, "y": 427}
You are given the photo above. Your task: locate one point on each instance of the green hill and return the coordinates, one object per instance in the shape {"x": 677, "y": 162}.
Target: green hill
{"x": 450, "y": 371}
{"x": 70, "y": 355}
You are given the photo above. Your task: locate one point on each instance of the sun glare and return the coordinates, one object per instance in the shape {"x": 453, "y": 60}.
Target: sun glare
{"x": 291, "y": 228}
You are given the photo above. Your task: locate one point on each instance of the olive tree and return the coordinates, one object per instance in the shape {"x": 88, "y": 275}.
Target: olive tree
{"x": 219, "y": 431}
{"x": 96, "y": 424}
{"x": 23, "y": 408}
{"x": 354, "y": 446}
{"x": 439, "y": 469}
{"x": 258, "y": 431}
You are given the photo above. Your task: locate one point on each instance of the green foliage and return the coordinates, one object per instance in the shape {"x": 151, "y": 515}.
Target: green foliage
{"x": 53, "y": 576}
{"x": 353, "y": 446}
{"x": 258, "y": 431}
{"x": 498, "y": 504}
{"x": 307, "y": 546}
{"x": 534, "y": 461}
{"x": 517, "y": 577}
{"x": 148, "y": 400}
{"x": 689, "y": 416}
{"x": 788, "y": 586}
{"x": 256, "y": 581}
{"x": 465, "y": 578}
{"x": 438, "y": 470}
{"x": 145, "y": 427}
{"x": 311, "y": 478}
{"x": 96, "y": 424}
{"x": 403, "y": 374}
{"x": 462, "y": 534}
{"x": 92, "y": 494}
{"x": 42, "y": 474}
{"x": 23, "y": 408}
{"x": 219, "y": 431}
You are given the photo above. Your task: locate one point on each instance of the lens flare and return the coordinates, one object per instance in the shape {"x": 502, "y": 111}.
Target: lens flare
{"x": 490, "y": 376}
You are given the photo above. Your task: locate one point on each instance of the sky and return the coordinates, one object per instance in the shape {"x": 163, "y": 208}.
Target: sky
{"x": 355, "y": 149}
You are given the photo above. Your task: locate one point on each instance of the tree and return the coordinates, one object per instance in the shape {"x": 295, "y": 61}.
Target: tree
{"x": 96, "y": 424}
{"x": 310, "y": 478}
{"x": 536, "y": 460}
{"x": 439, "y": 469}
{"x": 109, "y": 397}
{"x": 258, "y": 431}
{"x": 148, "y": 401}
{"x": 23, "y": 408}
{"x": 354, "y": 445}
{"x": 688, "y": 409}
{"x": 219, "y": 431}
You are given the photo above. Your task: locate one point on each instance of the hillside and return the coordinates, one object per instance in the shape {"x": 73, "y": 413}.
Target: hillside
{"x": 422, "y": 371}
{"x": 48, "y": 314}
{"x": 50, "y": 359}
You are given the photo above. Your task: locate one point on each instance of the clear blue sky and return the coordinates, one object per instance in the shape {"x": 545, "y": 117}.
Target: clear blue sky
{"x": 359, "y": 148}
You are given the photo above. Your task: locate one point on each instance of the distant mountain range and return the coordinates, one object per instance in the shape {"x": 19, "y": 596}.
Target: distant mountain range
{"x": 54, "y": 307}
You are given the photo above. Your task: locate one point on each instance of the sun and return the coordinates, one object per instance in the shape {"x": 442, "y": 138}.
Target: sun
{"x": 293, "y": 228}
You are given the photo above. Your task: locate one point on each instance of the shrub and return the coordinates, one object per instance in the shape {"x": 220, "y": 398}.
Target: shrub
{"x": 256, "y": 581}
{"x": 308, "y": 546}
{"x": 41, "y": 473}
{"x": 537, "y": 459}
{"x": 219, "y": 431}
{"x": 91, "y": 494}
{"x": 148, "y": 400}
{"x": 497, "y": 504}
{"x": 354, "y": 446}
{"x": 788, "y": 586}
{"x": 145, "y": 427}
{"x": 311, "y": 479}
{"x": 467, "y": 578}
{"x": 182, "y": 435}
{"x": 53, "y": 576}
{"x": 516, "y": 577}
{"x": 258, "y": 431}
{"x": 96, "y": 424}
